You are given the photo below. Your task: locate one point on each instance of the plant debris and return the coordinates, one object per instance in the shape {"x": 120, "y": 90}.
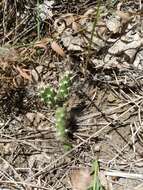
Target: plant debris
{"x": 100, "y": 42}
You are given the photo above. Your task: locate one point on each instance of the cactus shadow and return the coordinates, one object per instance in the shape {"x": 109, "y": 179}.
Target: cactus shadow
{"x": 74, "y": 113}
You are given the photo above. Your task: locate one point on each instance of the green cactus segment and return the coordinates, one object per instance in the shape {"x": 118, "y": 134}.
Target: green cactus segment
{"x": 61, "y": 124}
{"x": 54, "y": 98}
{"x": 58, "y": 98}
{"x": 48, "y": 95}
{"x": 64, "y": 87}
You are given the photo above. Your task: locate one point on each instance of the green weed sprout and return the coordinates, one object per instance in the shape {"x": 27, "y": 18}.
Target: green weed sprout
{"x": 96, "y": 184}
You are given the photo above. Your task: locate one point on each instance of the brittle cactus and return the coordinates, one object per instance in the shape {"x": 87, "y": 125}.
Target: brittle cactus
{"x": 53, "y": 98}
{"x": 57, "y": 99}
{"x": 61, "y": 127}
{"x": 48, "y": 95}
{"x": 61, "y": 122}
{"x": 64, "y": 87}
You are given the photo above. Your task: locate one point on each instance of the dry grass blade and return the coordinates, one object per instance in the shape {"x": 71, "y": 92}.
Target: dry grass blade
{"x": 124, "y": 174}
{"x": 24, "y": 73}
{"x": 80, "y": 179}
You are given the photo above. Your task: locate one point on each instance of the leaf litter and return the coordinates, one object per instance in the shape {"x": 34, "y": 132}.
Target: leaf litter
{"x": 106, "y": 101}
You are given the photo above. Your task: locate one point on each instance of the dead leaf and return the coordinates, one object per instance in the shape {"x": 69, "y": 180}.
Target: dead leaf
{"x": 75, "y": 26}
{"x": 89, "y": 12}
{"x": 102, "y": 29}
{"x": 57, "y": 49}
{"x": 42, "y": 43}
{"x": 125, "y": 17}
{"x": 80, "y": 179}
{"x": 64, "y": 21}
{"x": 113, "y": 25}
{"x": 41, "y": 46}
{"x": 69, "y": 19}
